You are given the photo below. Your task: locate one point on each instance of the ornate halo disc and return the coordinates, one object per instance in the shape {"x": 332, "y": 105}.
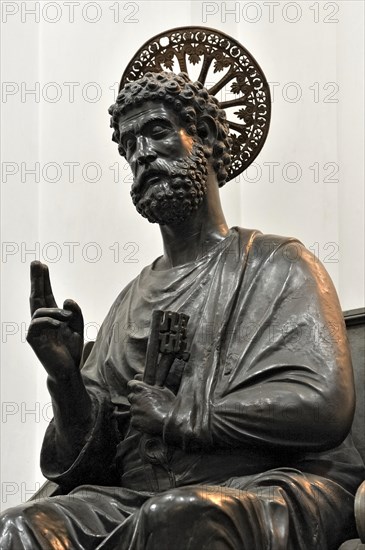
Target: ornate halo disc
{"x": 242, "y": 89}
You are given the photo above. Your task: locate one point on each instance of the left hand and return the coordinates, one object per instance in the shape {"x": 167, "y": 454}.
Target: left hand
{"x": 149, "y": 406}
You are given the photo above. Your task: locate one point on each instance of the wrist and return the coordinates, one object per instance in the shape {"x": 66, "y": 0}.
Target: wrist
{"x": 70, "y": 399}
{"x": 63, "y": 378}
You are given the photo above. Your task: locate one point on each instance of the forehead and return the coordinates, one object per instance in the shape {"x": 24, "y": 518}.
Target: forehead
{"x": 137, "y": 117}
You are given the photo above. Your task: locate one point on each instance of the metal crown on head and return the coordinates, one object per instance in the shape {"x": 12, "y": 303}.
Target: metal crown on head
{"x": 242, "y": 89}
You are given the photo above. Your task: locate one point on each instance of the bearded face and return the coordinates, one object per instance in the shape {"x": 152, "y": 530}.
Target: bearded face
{"x": 171, "y": 190}
{"x": 169, "y": 165}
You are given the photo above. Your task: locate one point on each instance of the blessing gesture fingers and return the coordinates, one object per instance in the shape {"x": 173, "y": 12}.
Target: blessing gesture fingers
{"x": 55, "y": 334}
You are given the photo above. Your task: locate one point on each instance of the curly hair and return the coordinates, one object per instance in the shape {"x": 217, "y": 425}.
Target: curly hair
{"x": 189, "y": 99}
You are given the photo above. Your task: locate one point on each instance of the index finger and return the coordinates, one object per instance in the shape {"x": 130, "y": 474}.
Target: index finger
{"x": 136, "y": 385}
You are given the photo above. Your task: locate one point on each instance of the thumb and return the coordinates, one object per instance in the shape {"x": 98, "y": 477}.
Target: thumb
{"x": 76, "y": 322}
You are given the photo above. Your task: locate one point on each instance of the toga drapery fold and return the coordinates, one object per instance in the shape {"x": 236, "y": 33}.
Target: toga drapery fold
{"x": 268, "y": 366}
{"x": 257, "y": 433}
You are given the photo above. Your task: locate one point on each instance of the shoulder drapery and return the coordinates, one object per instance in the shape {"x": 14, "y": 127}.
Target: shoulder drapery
{"x": 275, "y": 363}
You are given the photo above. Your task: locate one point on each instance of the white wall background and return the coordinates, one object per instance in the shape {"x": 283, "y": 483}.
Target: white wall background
{"x": 311, "y": 52}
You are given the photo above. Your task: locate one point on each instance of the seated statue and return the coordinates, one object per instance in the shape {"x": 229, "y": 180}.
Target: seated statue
{"x": 237, "y": 438}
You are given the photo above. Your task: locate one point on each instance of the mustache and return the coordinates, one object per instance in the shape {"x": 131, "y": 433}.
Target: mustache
{"x": 159, "y": 169}
{"x": 170, "y": 168}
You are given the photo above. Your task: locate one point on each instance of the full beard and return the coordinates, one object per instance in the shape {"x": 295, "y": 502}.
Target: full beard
{"x": 179, "y": 191}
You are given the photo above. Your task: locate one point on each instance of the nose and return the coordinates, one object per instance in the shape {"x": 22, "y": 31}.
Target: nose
{"x": 144, "y": 153}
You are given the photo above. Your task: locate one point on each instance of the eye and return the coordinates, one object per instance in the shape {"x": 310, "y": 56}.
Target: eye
{"x": 159, "y": 131}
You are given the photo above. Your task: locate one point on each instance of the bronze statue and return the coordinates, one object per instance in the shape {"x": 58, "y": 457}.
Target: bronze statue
{"x": 224, "y": 423}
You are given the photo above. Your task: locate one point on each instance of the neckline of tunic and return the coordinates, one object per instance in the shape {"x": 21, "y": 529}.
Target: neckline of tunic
{"x": 193, "y": 263}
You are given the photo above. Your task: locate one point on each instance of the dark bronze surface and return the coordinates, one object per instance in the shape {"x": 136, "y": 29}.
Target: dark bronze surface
{"x": 221, "y": 433}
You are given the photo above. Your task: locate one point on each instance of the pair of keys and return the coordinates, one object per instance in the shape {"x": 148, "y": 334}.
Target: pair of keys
{"x": 167, "y": 342}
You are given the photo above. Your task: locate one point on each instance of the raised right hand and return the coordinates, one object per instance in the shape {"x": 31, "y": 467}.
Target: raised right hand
{"x": 55, "y": 334}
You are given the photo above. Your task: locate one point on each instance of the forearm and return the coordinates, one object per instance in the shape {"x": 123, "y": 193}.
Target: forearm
{"x": 286, "y": 414}
{"x": 281, "y": 414}
{"x": 82, "y": 450}
{"x": 73, "y": 413}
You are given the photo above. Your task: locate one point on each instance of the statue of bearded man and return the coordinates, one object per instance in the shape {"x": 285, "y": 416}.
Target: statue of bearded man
{"x": 244, "y": 444}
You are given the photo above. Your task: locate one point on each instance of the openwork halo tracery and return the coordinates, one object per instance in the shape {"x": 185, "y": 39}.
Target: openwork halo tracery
{"x": 227, "y": 70}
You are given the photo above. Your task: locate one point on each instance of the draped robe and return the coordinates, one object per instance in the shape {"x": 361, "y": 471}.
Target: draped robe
{"x": 258, "y": 453}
